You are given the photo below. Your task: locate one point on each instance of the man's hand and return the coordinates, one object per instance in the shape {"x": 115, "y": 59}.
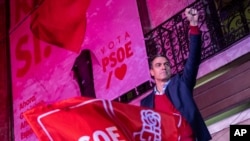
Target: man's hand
{"x": 192, "y": 16}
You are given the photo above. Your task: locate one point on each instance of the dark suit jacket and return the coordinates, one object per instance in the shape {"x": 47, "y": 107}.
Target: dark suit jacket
{"x": 180, "y": 92}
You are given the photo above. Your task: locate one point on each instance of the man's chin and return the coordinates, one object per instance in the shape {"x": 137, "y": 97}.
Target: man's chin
{"x": 165, "y": 79}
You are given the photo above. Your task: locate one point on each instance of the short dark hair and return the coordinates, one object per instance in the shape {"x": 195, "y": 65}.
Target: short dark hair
{"x": 152, "y": 58}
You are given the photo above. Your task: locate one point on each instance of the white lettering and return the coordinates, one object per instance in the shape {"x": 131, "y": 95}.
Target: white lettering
{"x": 114, "y": 136}
{"x": 243, "y": 131}
{"x": 240, "y": 132}
{"x": 84, "y": 138}
{"x": 98, "y": 134}
{"x": 111, "y": 134}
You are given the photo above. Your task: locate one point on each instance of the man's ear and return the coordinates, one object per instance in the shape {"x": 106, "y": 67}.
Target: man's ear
{"x": 151, "y": 72}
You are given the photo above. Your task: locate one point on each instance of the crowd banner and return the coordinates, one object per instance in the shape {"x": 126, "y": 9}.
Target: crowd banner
{"x": 85, "y": 119}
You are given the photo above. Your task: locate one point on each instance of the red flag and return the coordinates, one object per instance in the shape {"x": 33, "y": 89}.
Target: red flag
{"x": 85, "y": 119}
{"x": 61, "y": 22}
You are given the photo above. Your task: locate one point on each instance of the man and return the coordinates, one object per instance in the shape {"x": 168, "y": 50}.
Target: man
{"x": 174, "y": 95}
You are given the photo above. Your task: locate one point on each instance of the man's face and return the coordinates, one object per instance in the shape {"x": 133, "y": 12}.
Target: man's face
{"x": 160, "y": 69}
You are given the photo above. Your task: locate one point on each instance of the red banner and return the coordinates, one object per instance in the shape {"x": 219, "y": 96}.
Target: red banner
{"x": 61, "y": 23}
{"x": 84, "y": 119}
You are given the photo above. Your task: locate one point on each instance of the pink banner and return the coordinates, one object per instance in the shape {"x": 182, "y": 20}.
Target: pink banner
{"x": 119, "y": 47}
{"x": 41, "y": 72}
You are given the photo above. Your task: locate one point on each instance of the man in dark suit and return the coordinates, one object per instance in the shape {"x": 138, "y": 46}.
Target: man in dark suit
{"x": 175, "y": 95}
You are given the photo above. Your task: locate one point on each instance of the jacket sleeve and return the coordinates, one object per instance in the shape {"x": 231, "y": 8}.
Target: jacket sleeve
{"x": 192, "y": 64}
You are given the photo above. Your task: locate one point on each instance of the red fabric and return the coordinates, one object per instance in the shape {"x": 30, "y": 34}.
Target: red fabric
{"x": 163, "y": 104}
{"x": 194, "y": 30}
{"x": 61, "y": 22}
{"x": 95, "y": 119}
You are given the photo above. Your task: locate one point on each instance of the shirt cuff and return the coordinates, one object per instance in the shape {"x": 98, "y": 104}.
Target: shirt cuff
{"x": 194, "y": 30}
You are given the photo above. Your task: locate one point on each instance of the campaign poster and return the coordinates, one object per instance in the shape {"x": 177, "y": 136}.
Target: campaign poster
{"x": 42, "y": 72}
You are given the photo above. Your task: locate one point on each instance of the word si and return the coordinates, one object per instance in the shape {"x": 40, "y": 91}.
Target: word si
{"x": 26, "y": 55}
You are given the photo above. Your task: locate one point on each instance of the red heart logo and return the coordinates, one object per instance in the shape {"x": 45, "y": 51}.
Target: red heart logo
{"x": 121, "y": 71}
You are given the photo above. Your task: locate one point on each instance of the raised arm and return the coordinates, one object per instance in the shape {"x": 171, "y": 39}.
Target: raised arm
{"x": 192, "y": 64}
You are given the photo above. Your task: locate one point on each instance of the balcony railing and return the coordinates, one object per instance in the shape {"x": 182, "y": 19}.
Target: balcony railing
{"x": 222, "y": 24}
{"x": 221, "y": 27}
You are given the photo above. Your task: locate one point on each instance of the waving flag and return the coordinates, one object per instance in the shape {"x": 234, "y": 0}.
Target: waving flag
{"x": 84, "y": 119}
{"x": 61, "y": 22}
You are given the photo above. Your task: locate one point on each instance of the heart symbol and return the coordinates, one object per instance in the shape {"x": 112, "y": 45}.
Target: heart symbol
{"x": 121, "y": 71}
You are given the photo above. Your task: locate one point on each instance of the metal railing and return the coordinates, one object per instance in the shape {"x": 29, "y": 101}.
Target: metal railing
{"x": 222, "y": 24}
